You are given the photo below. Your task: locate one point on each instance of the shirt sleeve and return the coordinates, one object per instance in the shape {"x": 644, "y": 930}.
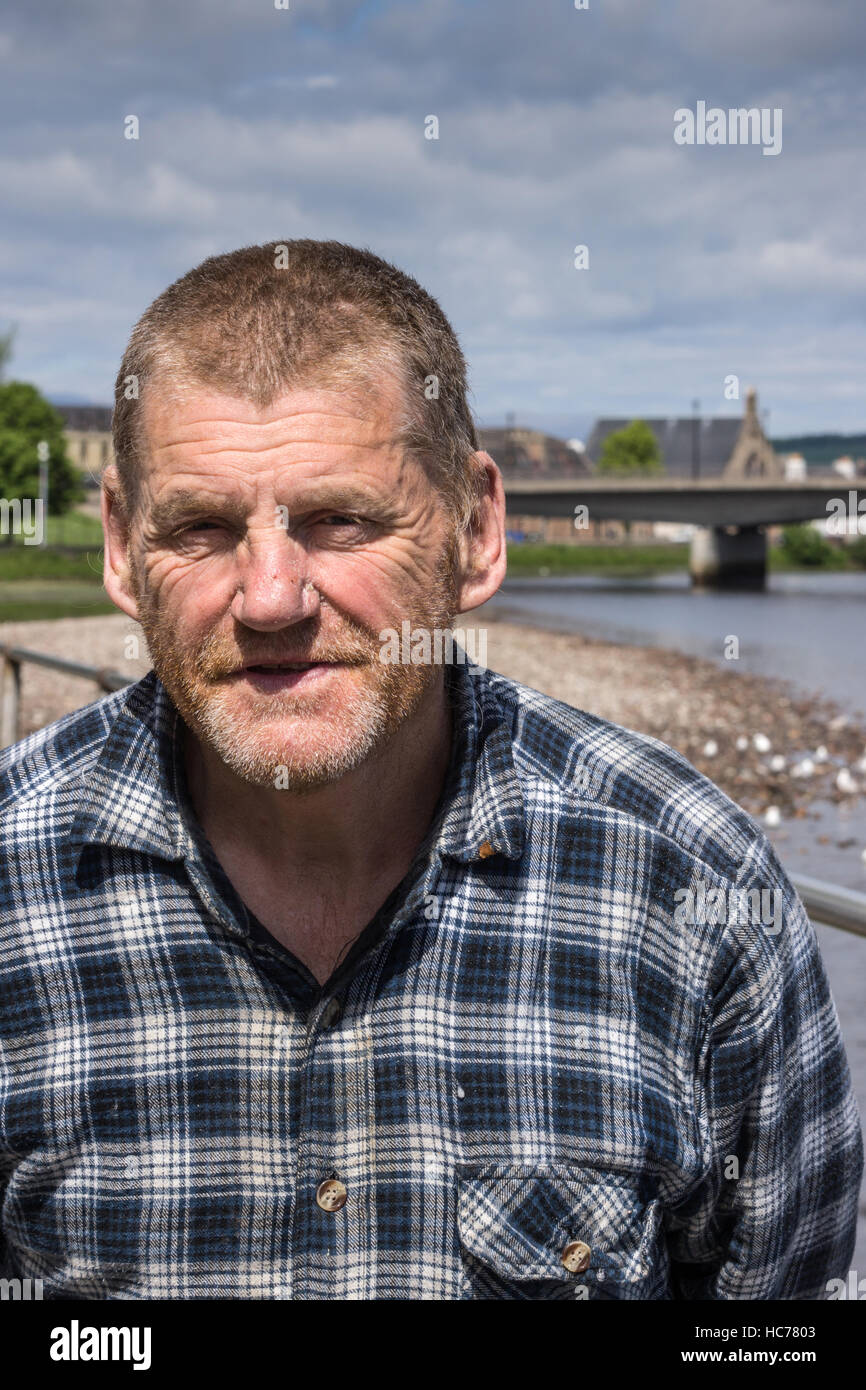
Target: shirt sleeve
{"x": 775, "y": 1215}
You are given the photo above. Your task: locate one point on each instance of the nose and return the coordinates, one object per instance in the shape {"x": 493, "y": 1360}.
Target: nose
{"x": 274, "y": 590}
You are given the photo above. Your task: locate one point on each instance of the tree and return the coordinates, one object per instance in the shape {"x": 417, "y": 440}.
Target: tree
{"x": 804, "y": 545}
{"x": 26, "y": 419}
{"x": 631, "y": 450}
{"x": 6, "y": 340}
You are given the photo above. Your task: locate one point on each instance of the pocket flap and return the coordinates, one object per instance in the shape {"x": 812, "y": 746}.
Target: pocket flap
{"x": 518, "y": 1221}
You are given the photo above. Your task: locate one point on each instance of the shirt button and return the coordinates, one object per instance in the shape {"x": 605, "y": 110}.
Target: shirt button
{"x": 331, "y": 1194}
{"x": 576, "y": 1256}
{"x": 485, "y": 850}
{"x": 331, "y": 1013}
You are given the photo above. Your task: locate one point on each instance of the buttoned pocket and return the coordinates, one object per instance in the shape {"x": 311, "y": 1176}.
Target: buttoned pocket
{"x": 516, "y": 1224}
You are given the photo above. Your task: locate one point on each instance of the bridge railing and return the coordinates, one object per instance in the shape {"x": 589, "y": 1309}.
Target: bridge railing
{"x": 825, "y": 903}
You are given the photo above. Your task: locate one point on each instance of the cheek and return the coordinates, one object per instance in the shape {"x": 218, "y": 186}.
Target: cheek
{"x": 189, "y": 591}
{"x": 376, "y": 587}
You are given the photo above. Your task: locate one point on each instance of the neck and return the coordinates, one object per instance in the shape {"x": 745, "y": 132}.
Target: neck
{"x": 372, "y": 817}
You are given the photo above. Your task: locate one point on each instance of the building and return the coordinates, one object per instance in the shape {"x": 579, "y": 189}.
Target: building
{"x": 88, "y": 438}
{"x": 524, "y": 453}
{"x": 705, "y": 447}
{"x": 795, "y": 468}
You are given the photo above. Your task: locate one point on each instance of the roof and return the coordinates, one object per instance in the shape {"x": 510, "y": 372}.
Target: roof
{"x": 86, "y": 417}
{"x": 525, "y": 453}
{"x": 717, "y": 436}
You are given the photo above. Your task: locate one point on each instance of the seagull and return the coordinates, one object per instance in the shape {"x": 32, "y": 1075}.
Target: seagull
{"x": 821, "y": 754}
{"x": 762, "y": 743}
{"x": 803, "y": 769}
{"x": 777, "y": 763}
{"x": 772, "y": 817}
{"x": 845, "y": 782}
{"x": 711, "y": 748}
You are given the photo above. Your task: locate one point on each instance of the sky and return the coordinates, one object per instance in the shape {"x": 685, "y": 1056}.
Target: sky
{"x": 555, "y": 130}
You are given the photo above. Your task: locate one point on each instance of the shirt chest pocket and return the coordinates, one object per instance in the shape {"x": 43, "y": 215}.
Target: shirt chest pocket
{"x": 558, "y": 1232}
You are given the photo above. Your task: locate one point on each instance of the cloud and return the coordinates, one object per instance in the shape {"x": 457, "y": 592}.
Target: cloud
{"x": 556, "y": 128}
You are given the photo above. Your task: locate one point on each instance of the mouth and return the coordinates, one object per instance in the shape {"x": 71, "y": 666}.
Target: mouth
{"x": 270, "y": 666}
{"x": 284, "y": 675}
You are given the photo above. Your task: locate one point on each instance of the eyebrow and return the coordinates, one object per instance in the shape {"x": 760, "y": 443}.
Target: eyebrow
{"x": 183, "y": 503}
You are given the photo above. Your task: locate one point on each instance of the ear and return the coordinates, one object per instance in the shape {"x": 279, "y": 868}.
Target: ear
{"x": 482, "y": 546}
{"x": 116, "y": 530}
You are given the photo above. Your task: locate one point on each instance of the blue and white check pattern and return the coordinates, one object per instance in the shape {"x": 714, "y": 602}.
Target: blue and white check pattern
{"x": 523, "y": 1050}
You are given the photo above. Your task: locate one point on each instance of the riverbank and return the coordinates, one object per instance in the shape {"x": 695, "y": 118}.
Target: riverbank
{"x": 705, "y": 712}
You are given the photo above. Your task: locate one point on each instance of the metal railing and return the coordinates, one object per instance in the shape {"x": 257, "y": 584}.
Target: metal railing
{"x": 830, "y": 906}
{"x": 12, "y": 659}
{"x": 826, "y": 904}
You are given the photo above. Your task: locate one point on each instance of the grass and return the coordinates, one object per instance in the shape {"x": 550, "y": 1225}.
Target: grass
{"x": 39, "y": 581}
{"x": 20, "y": 564}
{"x": 28, "y": 601}
{"x": 75, "y": 528}
{"x": 779, "y": 559}
{"x": 628, "y": 560}
{"x": 634, "y": 561}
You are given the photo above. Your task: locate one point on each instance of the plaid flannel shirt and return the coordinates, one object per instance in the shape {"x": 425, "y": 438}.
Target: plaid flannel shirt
{"x": 526, "y": 1057}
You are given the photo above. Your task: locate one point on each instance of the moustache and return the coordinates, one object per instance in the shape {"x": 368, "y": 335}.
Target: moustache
{"x": 217, "y": 659}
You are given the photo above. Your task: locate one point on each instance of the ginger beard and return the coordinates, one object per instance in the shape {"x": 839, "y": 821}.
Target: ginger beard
{"x": 298, "y": 742}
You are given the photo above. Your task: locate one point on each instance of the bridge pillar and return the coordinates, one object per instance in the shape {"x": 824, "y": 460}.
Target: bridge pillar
{"x": 729, "y": 557}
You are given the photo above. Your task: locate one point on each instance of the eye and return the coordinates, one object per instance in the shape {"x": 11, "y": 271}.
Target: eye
{"x": 192, "y": 527}
{"x": 340, "y": 519}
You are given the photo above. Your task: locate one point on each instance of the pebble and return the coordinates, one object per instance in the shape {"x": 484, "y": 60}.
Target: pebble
{"x": 762, "y": 743}
{"x": 845, "y": 782}
{"x": 711, "y": 748}
{"x": 803, "y": 769}
{"x": 777, "y": 763}
{"x": 772, "y": 817}
{"x": 742, "y": 743}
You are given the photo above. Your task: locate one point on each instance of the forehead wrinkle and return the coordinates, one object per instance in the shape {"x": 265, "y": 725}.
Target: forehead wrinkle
{"x": 363, "y": 413}
{"x": 388, "y": 442}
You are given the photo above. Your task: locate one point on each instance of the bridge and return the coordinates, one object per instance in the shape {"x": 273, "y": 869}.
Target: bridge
{"x": 730, "y": 550}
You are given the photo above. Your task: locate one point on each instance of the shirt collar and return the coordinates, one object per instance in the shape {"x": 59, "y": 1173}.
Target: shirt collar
{"x": 133, "y": 795}
{"x": 130, "y": 798}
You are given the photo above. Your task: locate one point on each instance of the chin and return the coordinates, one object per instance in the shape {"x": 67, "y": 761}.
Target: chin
{"x": 273, "y": 758}
{"x": 300, "y": 750}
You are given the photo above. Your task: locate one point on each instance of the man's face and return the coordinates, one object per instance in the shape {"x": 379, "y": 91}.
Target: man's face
{"x": 268, "y": 552}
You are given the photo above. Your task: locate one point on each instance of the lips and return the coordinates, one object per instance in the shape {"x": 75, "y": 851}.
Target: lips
{"x": 273, "y": 676}
{"x": 278, "y": 666}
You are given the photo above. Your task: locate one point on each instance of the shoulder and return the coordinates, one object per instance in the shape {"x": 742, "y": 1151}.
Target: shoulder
{"x": 51, "y": 765}
{"x": 624, "y": 780}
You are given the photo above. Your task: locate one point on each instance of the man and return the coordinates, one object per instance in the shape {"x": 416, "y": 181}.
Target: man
{"x": 329, "y": 976}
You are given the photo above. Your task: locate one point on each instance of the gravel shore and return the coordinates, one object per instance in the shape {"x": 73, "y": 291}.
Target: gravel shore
{"x": 692, "y": 704}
